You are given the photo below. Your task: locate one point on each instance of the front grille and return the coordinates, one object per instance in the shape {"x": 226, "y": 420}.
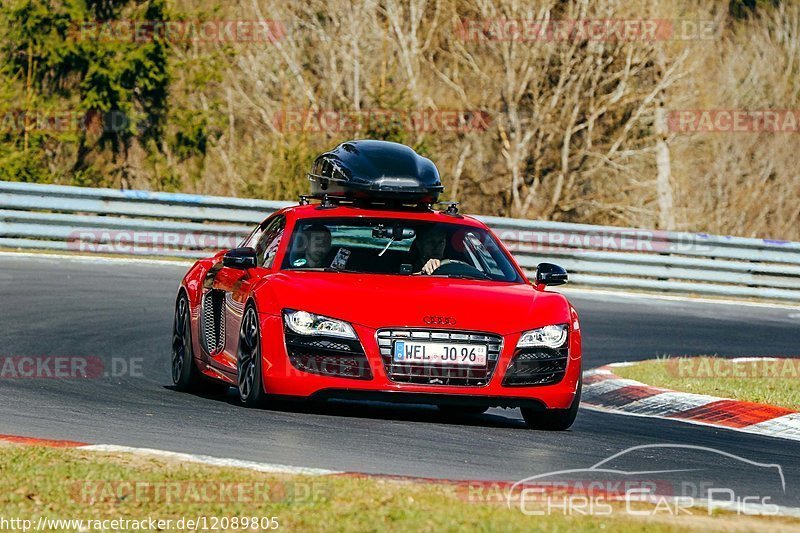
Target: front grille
{"x": 422, "y": 374}
{"x": 537, "y": 366}
{"x": 213, "y": 321}
{"x": 329, "y": 356}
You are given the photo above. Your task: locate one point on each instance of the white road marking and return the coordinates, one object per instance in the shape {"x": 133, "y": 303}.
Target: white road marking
{"x": 674, "y": 298}
{"x": 96, "y": 259}
{"x": 213, "y": 461}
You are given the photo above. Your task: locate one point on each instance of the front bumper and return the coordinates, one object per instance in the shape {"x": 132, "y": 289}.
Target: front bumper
{"x": 283, "y": 378}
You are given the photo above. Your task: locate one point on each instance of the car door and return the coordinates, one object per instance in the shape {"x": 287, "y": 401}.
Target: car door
{"x": 231, "y": 288}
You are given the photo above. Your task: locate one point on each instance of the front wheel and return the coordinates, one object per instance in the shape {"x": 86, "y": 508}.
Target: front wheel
{"x": 553, "y": 419}
{"x": 185, "y": 375}
{"x": 251, "y": 389}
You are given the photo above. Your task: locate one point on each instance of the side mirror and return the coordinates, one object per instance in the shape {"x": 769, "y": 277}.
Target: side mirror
{"x": 550, "y": 274}
{"x": 241, "y": 258}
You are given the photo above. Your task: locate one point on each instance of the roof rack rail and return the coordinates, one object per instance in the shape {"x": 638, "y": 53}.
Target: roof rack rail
{"x": 329, "y": 201}
{"x": 452, "y": 207}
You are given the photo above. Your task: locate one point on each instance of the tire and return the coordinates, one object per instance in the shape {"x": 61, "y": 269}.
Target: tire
{"x": 553, "y": 419}
{"x": 248, "y": 360}
{"x": 458, "y": 410}
{"x": 185, "y": 375}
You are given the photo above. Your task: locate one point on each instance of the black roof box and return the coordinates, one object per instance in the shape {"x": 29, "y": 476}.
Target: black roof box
{"x": 379, "y": 171}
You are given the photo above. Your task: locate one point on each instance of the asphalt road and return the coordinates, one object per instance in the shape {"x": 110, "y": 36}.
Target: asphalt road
{"x": 122, "y": 312}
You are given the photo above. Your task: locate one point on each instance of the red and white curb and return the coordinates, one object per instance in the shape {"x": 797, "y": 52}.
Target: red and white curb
{"x": 605, "y": 391}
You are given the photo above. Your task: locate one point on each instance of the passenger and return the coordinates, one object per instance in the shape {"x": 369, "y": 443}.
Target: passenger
{"x": 318, "y": 246}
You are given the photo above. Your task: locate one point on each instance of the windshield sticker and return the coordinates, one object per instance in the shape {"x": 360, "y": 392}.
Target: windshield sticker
{"x": 340, "y": 261}
{"x": 299, "y": 262}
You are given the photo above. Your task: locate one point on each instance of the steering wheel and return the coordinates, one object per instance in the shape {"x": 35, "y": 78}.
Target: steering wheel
{"x": 457, "y": 268}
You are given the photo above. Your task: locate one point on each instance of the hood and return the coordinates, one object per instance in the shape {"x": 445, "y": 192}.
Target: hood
{"x": 379, "y": 301}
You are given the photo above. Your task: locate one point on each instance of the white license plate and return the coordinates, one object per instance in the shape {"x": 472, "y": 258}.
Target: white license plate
{"x": 439, "y": 353}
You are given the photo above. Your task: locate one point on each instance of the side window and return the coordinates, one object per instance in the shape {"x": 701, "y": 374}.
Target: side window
{"x": 251, "y": 240}
{"x": 268, "y": 242}
{"x": 486, "y": 258}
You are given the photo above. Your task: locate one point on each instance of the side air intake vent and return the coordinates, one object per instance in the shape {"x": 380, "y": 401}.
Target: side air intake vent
{"x": 213, "y": 321}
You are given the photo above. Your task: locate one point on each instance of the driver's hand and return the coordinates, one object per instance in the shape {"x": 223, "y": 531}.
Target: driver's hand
{"x": 431, "y": 265}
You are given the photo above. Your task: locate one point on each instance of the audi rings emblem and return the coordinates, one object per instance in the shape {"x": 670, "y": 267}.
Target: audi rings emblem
{"x": 433, "y": 320}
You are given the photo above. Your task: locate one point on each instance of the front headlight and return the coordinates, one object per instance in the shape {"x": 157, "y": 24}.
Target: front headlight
{"x": 305, "y": 323}
{"x": 548, "y": 336}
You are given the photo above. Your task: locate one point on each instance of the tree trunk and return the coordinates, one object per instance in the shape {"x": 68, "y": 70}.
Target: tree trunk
{"x": 666, "y": 209}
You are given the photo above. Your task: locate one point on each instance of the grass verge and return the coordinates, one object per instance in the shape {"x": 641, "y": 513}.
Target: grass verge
{"x": 69, "y": 484}
{"x": 773, "y": 382}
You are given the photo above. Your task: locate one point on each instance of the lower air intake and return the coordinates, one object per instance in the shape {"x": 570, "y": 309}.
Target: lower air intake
{"x": 329, "y": 356}
{"x": 537, "y": 366}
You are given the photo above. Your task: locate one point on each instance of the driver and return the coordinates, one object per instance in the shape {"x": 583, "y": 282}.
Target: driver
{"x": 430, "y": 250}
{"x": 318, "y": 245}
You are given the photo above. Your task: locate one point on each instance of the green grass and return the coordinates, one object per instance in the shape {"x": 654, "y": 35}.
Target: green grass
{"x": 768, "y": 382}
{"x": 74, "y": 484}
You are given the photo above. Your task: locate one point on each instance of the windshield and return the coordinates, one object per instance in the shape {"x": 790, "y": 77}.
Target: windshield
{"x": 400, "y": 247}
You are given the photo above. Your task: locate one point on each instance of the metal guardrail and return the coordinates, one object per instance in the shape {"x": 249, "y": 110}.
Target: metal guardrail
{"x": 56, "y": 217}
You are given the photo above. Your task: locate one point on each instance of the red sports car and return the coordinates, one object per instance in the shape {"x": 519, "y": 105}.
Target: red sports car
{"x": 371, "y": 293}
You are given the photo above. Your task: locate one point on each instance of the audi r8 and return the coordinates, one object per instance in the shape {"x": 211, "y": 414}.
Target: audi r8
{"x": 366, "y": 290}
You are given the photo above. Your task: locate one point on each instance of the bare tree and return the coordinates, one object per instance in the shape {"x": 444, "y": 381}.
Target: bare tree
{"x": 577, "y": 128}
